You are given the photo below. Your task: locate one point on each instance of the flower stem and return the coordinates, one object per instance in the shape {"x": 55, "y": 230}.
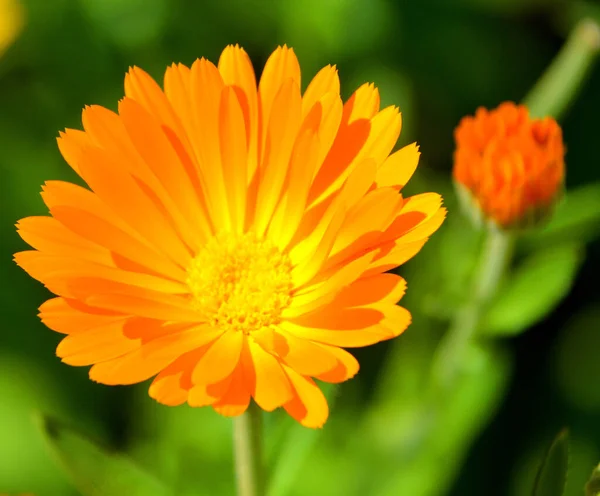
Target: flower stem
{"x": 495, "y": 258}
{"x": 247, "y": 443}
{"x": 559, "y": 85}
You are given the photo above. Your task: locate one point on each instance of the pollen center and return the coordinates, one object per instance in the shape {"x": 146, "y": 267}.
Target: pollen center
{"x": 240, "y": 283}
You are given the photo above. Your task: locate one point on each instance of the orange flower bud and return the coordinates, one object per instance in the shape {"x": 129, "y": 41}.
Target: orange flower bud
{"x": 510, "y": 166}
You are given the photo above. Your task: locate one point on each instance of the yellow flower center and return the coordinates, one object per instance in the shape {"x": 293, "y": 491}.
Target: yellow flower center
{"x": 240, "y": 283}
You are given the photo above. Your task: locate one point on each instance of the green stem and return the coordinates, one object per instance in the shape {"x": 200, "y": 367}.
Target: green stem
{"x": 495, "y": 258}
{"x": 559, "y": 85}
{"x": 247, "y": 443}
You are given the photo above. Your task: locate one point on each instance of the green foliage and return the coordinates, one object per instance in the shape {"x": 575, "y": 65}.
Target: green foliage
{"x": 508, "y": 6}
{"x": 294, "y": 448}
{"x": 577, "y": 218}
{"x": 95, "y": 471}
{"x": 451, "y": 256}
{"x": 577, "y": 360}
{"x": 560, "y": 84}
{"x": 552, "y": 475}
{"x": 387, "y": 435}
{"x": 25, "y": 387}
{"x": 450, "y": 422}
{"x": 592, "y": 488}
{"x": 325, "y": 22}
{"x": 188, "y": 448}
{"x": 533, "y": 291}
{"x": 583, "y": 453}
{"x": 129, "y": 23}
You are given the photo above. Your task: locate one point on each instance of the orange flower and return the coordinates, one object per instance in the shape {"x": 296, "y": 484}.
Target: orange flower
{"x": 234, "y": 239}
{"x": 511, "y": 165}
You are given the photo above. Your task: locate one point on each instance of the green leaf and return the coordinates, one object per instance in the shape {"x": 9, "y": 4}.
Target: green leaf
{"x": 94, "y": 471}
{"x": 577, "y": 218}
{"x": 592, "y": 488}
{"x": 552, "y": 476}
{"x": 533, "y": 290}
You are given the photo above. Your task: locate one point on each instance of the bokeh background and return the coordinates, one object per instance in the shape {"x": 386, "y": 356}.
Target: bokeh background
{"x": 436, "y": 60}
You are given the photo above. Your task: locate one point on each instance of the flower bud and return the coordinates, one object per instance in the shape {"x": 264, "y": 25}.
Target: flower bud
{"x": 509, "y": 168}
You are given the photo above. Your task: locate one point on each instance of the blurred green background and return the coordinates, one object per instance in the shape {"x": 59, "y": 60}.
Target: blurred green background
{"x": 534, "y": 371}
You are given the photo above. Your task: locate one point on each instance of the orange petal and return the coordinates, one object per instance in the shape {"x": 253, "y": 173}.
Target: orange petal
{"x": 383, "y": 131}
{"x": 352, "y": 135}
{"x": 426, "y": 227}
{"x": 96, "y": 345}
{"x": 234, "y": 156}
{"x": 102, "y": 232}
{"x": 272, "y": 388}
{"x": 324, "y": 290}
{"x": 178, "y": 90}
{"x": 310, "y": 262}
{"x": 309, "y": 406}
{"x": 157, "y": 151}
{"x": 369, "y": 290}
{"x": 347, "y": 366}
{"x": 330, "y": 108}
{"x": 220, "y": 359}
{"x": 340, "y": 160}
{"x": 237, "y": 71}
{"x": 281, "y": 132}
{"x": 139, "y": 86}
{"x": 62, "y": 270}
{"x": 290, "y": 210}
{"x": 132, "y": 204}
{"x": 167, "y": 390}
{"x": 399, "y": 167}
{"x": 174, "y": 383}
{"x": 317, "y": 219}
{"x": 326, "y": 81}
{"x": 359, "y": 182}
{"x": 351, "y": 327}
{"x": 393, "y": 254}
{"x": 152, "y": 357}
{"x": 107, "y": 130}
{"x": 411, "y": 221}
{"x": 177, "y": 84}
{"x": 48, "y": 235}
{"x": 148, "y": 329}
{"x": 355, "y": 338}
{"x": 320, "y": 235}
{"x": 305, "y": 357}
{"x": 363, "y": 104}
{"x": 154, "y": 306}
{"x": 237, "y": 398}
{"x": 71, "y": 143}
{"x": 61, "y": 193}
{"x": 365, "y": 223}
{"x": 206, "y": 85}
{"x": 68, "y": 316}
{"x": 281, "y": 66}
{"x": 207, "y": 394}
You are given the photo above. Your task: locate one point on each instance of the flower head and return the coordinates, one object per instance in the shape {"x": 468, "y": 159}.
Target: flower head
{"x": 234, "y": 239}
{"x": 512, "y": 166}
